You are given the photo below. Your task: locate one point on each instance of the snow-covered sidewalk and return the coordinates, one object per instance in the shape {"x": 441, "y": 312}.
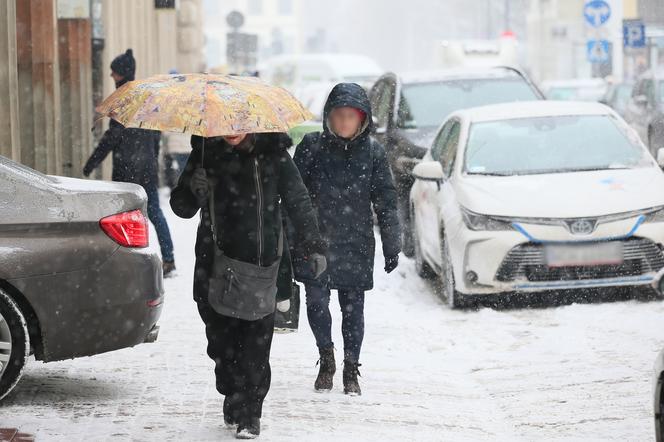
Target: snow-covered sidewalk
{"x": 579, "y": 372}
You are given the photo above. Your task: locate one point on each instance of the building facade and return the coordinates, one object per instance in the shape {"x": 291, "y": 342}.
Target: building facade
{"x": 55, "y": 67}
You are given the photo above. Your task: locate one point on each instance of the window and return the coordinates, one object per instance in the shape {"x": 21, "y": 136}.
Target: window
{"x": 439, "y": 143}
{"x": 255, "y": 7}
{"x": 427, "y": 104}
{"x": 450, "y": 148}
{"x": 529, "y": 146}
{"x": 285, "y": 7}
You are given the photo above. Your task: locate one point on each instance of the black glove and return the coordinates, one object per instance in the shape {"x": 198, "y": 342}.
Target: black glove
{"x": 87, "y": 171}
{"x": 318, "y": 263}
{"x": 391, "y": 263}
{"x": 200, "y": 186}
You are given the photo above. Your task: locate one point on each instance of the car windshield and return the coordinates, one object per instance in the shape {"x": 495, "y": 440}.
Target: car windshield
{"x": 427, "y": 104}
{"x": 558, "y": 144}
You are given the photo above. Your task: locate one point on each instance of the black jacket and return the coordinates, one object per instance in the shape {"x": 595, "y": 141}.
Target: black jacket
{"x": 135, "y": 153}
{"x": 345, "y": 178}
{"x": 248, "y": 217}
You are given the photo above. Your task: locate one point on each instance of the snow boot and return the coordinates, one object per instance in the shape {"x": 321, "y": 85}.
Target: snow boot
{"x": 328, "y": 367}
{"x": 230, "y": 416}
{"x": 351, "y": 384}
{"x": 168, "y": 268}
{"x": 248, "y": 428}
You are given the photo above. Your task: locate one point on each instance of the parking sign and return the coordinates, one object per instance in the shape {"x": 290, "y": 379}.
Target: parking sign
{"x": 634, "y": 34}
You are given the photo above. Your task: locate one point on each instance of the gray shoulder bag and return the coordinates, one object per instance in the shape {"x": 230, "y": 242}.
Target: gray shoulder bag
{"x": 239, "y": 289}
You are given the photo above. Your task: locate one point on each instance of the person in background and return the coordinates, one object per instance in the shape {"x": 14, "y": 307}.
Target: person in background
{"x": 347, "y": 174}
{"x": 241, "y": 182}
{"x": 176, "y": 152}
{"x": 135, "y": 159}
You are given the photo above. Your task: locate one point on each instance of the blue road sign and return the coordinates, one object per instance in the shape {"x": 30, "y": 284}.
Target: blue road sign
{"x": 596, "y": 12}
{"x": 634, "y": 34}
{"x": 598, "y": 51}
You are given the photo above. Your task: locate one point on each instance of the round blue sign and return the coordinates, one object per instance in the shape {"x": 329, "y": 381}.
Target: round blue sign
{"x": 597, "y": 12}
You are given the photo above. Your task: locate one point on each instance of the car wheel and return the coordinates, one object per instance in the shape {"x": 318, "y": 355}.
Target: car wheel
{"x": 14, "y": 343}
{"x": 407, "y": 239}
{"x": 659, "y": 417}
{"x": 408, "y": 243}
{"x": 423, "y": 269}
{"x": 446, "y": 284}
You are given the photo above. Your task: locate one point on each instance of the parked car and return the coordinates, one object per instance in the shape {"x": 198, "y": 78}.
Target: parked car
{"x": 409, "y": 108}
{"x": 617, "y": 97}
{"x": 536, "y": 197}
{"x": 77, "y": 277}
{"x": 582, "y": 89}
{"x": 658, "y": 378}
{"x": 645, "y": 111}
{"x": 295, "y": 71}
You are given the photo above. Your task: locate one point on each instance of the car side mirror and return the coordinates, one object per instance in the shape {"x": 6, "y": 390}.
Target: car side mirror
{"x": 660, "y": 157}
{"x": 428, "y": 171}
{"x": 641, "y": 100}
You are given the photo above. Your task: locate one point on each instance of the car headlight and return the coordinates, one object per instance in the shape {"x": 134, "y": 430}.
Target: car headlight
{"x": 475, "y": 221}
{"x": 656, "y": 216}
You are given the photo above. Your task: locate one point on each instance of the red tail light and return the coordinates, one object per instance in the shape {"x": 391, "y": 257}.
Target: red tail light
{"x": 129, "y": 229}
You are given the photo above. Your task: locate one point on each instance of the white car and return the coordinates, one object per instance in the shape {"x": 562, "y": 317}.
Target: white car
{"x": 537, "y": 196}
{"x": 658, "y": 378}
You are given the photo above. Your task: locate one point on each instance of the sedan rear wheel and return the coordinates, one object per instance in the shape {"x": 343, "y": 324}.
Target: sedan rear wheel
{"x": 423, "y": 269}
{"x": 14, "y": 343}
{"x": 446, "y": 284}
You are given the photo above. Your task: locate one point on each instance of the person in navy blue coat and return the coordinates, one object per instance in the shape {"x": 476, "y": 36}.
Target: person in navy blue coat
{"x": 347, "y": 175}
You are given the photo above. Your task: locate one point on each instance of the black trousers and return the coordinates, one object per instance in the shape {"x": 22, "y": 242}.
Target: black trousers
{"x": 241, "y": 353}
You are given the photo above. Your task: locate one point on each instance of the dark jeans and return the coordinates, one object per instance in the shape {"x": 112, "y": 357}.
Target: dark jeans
{"x": 320, "y": 320}
{"x": 241, "y": 353}
{"x": 159, "y": 221}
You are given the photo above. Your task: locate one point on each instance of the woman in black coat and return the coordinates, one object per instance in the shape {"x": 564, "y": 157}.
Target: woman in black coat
{"x": 347, "y": 174}
{"x": 249, "y": 178}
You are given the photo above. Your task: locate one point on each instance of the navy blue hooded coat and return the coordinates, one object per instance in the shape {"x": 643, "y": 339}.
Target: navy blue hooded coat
{"x": 345, "y": 178}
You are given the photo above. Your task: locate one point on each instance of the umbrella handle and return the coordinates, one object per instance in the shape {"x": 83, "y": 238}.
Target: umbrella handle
{"x": 199, "y": 193}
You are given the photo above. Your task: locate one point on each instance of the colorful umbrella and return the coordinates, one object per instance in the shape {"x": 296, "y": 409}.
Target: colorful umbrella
{"x": 204, "y": 104}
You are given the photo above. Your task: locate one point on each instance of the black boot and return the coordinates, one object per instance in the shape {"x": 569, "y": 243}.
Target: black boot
{"x": 230, "y": 416}
{"x": 328, "y": 367}
{"x": 168, "y": 268}
{"x": 351, "y": 384}
{"x": 248, "y": 428}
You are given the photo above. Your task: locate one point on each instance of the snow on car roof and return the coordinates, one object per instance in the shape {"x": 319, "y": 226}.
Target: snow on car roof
{"x": 456, "y": 74}
{"x": 526, "y": 109}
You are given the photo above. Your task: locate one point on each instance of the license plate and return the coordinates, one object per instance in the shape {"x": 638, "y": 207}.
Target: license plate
{"x": 607, "y": 253}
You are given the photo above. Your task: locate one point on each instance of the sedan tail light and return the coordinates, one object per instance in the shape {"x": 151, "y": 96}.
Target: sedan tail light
{"x": 129, "y": 229}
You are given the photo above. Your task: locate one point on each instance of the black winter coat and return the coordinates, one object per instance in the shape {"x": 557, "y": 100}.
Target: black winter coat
{"x": 345, "y": 178}
{"x": 248, "y": 217}
{"x": 135, "y": 153}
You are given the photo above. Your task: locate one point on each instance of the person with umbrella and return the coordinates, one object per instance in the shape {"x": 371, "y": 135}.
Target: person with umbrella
{"x": 238, "y": 176}
{"x": 135, "y": 159}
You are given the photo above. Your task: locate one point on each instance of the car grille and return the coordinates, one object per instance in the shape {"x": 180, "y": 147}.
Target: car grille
{"x": 527, "y": 261}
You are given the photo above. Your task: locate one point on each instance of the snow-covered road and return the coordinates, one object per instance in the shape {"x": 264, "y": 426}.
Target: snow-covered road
{"x": 577, "y": 372}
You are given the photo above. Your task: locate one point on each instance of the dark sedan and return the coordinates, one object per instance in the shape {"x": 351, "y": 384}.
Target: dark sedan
{"x": 76, "y": 275}
{"x": 645, "y": 109}
{"x": 408, "y": 110}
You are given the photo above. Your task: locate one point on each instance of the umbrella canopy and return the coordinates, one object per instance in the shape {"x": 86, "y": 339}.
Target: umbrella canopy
{"x": 204, "y": 104}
